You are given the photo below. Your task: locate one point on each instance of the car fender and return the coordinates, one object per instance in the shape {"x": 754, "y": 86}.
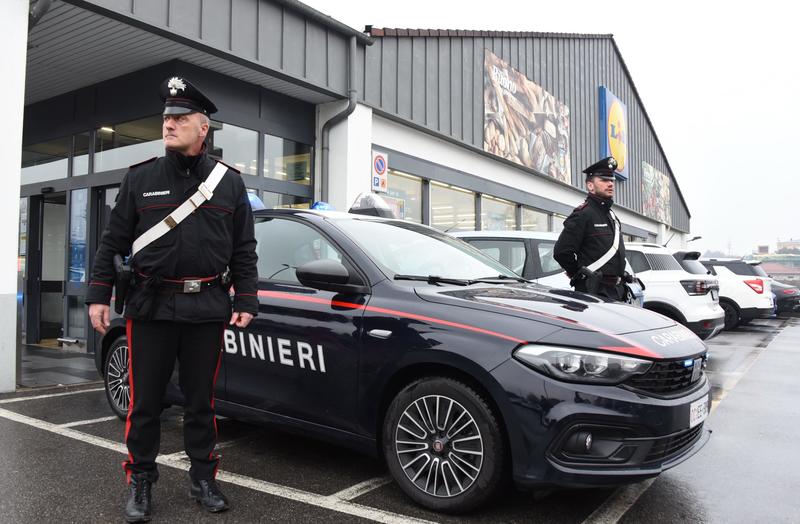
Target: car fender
{"x": 418, "y": 364}
{"x": 656, "y": 306}
{"x": 114, "y": 330}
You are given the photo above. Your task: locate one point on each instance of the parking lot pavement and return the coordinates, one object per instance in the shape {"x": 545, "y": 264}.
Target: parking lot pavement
{"x": 63, "y": 450}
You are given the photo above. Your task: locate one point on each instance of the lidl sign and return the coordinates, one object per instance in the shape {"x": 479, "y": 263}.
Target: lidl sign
{"x": 614, "y": 131}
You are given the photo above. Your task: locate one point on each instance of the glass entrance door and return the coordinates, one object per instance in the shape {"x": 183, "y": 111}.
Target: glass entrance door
{"x": 46, "y": 266}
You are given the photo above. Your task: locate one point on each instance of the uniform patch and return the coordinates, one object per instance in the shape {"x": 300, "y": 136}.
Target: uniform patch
{"x": 155, "y": 193}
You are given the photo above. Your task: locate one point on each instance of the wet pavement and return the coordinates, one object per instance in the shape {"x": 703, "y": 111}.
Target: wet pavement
{"x": 63, "y": 450}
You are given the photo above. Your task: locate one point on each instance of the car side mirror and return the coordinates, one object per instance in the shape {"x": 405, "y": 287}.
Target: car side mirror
{"x": 327, "y": 275}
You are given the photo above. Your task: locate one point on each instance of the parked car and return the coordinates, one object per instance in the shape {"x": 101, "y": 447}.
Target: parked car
{"x": 398, "y": 340}
{"x": 530, "y": 254}
{"x": 787, "y": 298}
{"x": 744, "y": 293}
{"x": 688, "y": 298}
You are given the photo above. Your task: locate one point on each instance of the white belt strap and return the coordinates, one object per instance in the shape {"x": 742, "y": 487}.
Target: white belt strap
{"x": 204, "y": 192}
{"x": 600, "y": 262}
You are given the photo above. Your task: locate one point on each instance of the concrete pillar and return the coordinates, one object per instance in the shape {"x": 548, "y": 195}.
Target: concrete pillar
{"x": 14, "y": 28}
{"x": 350, "y": 154}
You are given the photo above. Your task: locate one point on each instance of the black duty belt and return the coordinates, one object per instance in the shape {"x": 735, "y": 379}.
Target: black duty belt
{"x": 184, "y": 285}
{"x": 608, "y": 279}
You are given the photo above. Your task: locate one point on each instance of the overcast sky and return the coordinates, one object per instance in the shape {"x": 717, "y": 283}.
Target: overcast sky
{"x": 720, "y": 81}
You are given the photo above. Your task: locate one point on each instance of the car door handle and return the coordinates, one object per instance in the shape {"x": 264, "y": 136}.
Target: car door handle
{"x": 379, "y": 333}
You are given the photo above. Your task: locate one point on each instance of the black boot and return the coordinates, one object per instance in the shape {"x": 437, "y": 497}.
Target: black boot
{"x": 139, "y": 506}
{"x": 207, "y": 493}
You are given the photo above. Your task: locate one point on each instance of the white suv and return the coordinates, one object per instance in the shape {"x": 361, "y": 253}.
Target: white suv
{"x": 745, "y": 291}
{"x": 692, "y": 300}
{"x": 529, "y": 254}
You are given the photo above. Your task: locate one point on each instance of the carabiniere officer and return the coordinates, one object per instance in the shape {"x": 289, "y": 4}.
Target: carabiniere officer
{"x": 589, "y": 234}
{"x": 178, "y": 303}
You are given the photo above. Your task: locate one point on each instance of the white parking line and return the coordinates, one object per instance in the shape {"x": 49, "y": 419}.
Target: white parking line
{"x": 355, "y": 491}
{"x": 330, "y": 502}
{"x": 51, "y": 395}
{"x": 618, "y": 503}
{"x": 87, "y": 422}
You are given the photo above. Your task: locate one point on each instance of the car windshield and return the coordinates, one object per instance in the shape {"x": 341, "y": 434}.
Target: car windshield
{"x": 404, "y": 248}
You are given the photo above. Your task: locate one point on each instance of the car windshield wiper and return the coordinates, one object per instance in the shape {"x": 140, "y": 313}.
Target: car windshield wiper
{"x": 501, "y": 278}
{"x": 433, "y": 279}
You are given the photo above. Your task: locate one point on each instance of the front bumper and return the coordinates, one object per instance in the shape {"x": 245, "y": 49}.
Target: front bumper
{"x": 646, "y": 435}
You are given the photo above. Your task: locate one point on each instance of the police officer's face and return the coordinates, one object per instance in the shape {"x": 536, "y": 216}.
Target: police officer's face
{"x": 184, "y": 133}
{"x": 601, "y": 187}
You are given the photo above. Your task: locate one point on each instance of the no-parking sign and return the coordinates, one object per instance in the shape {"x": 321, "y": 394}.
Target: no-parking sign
{"x": 380, "y": 164}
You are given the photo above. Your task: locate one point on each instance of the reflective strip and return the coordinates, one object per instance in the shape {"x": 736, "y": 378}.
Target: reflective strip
{"x": 205, "y": 192}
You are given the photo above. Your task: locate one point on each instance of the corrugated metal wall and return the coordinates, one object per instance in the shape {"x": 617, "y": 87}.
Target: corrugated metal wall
{"x": 256, "y": 30}
{"x": 437, "y": 82}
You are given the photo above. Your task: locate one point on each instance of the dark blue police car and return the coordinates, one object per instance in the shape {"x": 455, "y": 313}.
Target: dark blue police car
{"x": 402, "y": 342}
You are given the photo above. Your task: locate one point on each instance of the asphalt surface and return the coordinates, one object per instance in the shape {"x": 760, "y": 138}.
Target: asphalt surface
{"x": 62, "y": 451}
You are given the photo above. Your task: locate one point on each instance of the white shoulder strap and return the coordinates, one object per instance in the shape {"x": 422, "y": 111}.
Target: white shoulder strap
{"x": 204, "y": 192}
{"x": 600, "y": 262}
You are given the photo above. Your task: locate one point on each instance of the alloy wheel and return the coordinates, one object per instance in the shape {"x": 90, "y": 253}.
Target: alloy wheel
{"x": 439, "y": 446}
{"x": 117, "y": 378}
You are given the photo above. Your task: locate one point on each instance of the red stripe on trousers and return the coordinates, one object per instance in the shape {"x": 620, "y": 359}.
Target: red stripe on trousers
{"x": 128, "y": 331}
{"x": 213, "y": 388}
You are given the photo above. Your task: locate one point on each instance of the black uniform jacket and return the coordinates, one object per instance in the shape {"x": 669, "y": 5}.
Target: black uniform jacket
{"x": 588, "y": 234}
{"x": 218, "y": 234}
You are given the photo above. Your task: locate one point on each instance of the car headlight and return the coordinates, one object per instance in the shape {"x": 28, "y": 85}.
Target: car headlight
{"x": 580, "y": 365}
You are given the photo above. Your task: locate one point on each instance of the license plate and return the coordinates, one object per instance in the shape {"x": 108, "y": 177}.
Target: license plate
{"x": 698, "y": 411}
{"x": 715, "y": 295}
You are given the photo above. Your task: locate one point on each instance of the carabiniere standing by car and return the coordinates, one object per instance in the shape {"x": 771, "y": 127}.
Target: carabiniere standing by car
{"x": 185, "y": 218}
{"x": 590, "y": 248}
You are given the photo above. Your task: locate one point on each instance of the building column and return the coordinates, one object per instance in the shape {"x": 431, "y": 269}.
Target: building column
{"x": 14, "y": 28}
{"x": 350, "y": 154}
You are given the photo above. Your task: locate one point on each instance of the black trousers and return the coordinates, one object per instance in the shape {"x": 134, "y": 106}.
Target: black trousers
{"x": 153, "y": 348}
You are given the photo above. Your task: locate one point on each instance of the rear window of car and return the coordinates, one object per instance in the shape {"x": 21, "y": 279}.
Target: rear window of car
{"x": 759, "y": 271}
{"x": 740, "y": 268}
{"x": 662, "y": 262}
{"x": 694, "y": 267}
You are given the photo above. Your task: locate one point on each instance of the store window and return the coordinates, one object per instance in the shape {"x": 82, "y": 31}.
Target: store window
{"x": 452, "y": 208}
{"x": 497, "y": 214}
{"x": 77, "y": 235}
{"x": 558, "y": 223}
{"x": 80, "y": 158}
{"x": 281, "y": 201}
{"x": 287, "y": 160}
{"x": 121, "y": 145}
{"x": 404, "y": 194}
{"x": 45, "y": 161}
{"x": 533, "y": 220}
{"x": 236, "y": 146}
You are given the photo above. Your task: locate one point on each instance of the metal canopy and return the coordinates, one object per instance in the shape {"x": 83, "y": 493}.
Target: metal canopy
{"x": 72, "y": 47}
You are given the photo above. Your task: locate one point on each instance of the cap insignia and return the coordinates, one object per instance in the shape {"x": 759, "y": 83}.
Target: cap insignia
{"x": 175, "y": 84}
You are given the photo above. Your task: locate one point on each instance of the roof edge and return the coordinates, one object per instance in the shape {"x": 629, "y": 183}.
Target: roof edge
{"x": 379, "y": 32}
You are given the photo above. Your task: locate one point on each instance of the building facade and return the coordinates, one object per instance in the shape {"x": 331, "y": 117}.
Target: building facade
{"x": 458, "y": 130}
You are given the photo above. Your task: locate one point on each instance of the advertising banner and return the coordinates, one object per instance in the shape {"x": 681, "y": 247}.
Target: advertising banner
{"x": 522, "y": 122}
{"x": 614, "y": 131}
{"x": 655, "y": 193}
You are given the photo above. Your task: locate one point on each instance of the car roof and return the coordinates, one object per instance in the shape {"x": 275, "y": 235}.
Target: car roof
{"x": 325, "y": 214}
{"x": 538, "y": 235}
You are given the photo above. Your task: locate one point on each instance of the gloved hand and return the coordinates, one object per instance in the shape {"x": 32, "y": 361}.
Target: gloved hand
{"x": 586, "y": 273}
{"x": 628, "y": 278}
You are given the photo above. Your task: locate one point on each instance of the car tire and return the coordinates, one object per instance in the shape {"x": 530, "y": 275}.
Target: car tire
{"x": 115, "y": 377}
{"x": 731, "y": 315}
{"x": 419, "y": 445}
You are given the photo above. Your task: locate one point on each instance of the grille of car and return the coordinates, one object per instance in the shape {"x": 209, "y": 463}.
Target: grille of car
{"x": 665, "y": 378}
{"x": 665, "y": 447}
